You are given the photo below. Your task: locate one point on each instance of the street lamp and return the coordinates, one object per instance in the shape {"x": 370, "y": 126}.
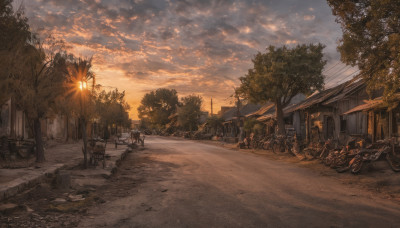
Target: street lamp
{"x": 82, "y": 85}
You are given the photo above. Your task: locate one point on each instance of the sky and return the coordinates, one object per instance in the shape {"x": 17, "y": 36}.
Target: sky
{"x": 198, "y": 47}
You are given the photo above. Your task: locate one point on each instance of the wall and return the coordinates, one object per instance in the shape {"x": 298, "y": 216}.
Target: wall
{"x": 19, "y": 124}
{"x": 56, "y": 127}
{"x": 5, "y": 118}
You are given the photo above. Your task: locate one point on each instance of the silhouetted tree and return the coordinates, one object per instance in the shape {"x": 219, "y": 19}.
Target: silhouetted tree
{"x": 280, "y": 74}
{"x": 371, "y": 37}
{"x": 37, "y": 85}
{"x": 15, "y": 35}
{"x": 189, "y": 112}
{"x": 157, "y": 106}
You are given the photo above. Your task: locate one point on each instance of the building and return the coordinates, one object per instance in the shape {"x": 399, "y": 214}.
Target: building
{"x": 382, "y": 120}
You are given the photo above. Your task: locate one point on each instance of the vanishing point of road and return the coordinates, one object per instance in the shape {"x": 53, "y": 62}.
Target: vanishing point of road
{"x": 191, "y": 184}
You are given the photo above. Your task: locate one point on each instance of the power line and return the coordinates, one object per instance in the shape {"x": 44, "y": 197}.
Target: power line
{"x": 349, "y": 76}
{"x": 340, "y": 68}
{"x": 344, "y": 79}
{"x": 341, "y": 72}
{"x": 334, "y": 75}
{"x": 330, "y": 68}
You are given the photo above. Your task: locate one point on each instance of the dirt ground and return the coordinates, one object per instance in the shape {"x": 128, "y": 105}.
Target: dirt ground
{"x": 377, "y": 177}
{"x": 39, "y": 207}
{"x": 181, "y": 183}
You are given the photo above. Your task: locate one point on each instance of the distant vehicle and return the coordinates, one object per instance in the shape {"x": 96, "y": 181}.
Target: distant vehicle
{"x": 124, "y": 138}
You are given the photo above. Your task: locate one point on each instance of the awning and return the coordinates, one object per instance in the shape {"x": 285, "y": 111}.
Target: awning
{"x": 266, "y": 117}
{"x": 263, "y": 110}
{"x": 369, "y": 104}
{"x": 376, "y": 103}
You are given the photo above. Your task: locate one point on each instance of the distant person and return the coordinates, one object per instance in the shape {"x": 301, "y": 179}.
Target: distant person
{"x": 106, "y": 135}
{"x": 135, "y": 135}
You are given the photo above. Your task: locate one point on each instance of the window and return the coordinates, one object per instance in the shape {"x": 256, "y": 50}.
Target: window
{"x": 343, "y": 124}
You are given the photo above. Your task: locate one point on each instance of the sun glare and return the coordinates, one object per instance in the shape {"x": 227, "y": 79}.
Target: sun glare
{"x": 82, "y": 85}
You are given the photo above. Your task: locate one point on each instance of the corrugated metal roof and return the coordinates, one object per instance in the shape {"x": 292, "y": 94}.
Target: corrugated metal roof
{"x": 244, "y": 110}
{"x": 371, "y": 104}
{"x": 376, "y": 103}
{"x": 330, "y": 95}
{"x": 271, "y": 113}
{"x": 266, "y": 117}
{"x": 350, "y": 88}
{"x": 263, "y": 110}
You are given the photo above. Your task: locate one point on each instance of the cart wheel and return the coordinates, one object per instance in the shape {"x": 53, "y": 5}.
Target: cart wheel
{"x": 342, "y": 169}
{"x": 356, "y": 166}
{"x": 393, "y": 166}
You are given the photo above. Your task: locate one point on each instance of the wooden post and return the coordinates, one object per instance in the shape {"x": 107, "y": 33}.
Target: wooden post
{"x": 211, "y": 108}
{"x": 307, "y": 127}
{"x": 373, "y": 125}
{"x": 390, "y": 124}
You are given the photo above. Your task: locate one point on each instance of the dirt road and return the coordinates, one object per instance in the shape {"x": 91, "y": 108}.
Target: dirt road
{"x": 179, "y": 183}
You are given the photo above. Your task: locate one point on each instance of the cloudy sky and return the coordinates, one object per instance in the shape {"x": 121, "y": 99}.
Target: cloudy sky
{"x": 194, "y": 46}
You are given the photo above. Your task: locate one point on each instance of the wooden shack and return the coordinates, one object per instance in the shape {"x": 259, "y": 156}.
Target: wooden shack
{"x": 382, "y": 118}
{"x": 321, "y": 116}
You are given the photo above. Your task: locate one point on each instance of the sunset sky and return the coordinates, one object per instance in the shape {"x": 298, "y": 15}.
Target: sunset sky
{"x": 196, "y": 47}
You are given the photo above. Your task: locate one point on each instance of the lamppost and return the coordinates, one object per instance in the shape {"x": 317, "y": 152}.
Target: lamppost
{"x": 83, "y": 87}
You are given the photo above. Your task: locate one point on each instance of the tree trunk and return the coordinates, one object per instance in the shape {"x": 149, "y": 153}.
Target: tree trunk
{"x": 67, "y": 128}
{"x": 38, "y": 139}
{"x": 84, "y": 150}
{"x": 279, "y": 118}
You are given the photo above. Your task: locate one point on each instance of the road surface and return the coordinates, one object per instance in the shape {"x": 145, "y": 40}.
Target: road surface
{"x": 181, "y": 183}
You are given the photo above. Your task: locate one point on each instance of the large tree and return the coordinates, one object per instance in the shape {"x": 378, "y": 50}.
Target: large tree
{"x": 112, "y": 108}
{"x": 371, "y": 38}
{"x": 157, "y": 106}
{"x": 189, "y": 112}
{"x": 15, "y": 34}
{"x": 280, "y": 74}
{"x": 36, "y": 86}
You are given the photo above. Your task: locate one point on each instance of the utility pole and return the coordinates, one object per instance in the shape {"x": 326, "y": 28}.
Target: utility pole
{"x": 211, "y": 108}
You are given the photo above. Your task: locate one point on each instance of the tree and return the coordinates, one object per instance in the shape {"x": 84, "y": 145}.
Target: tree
{"x": 80, "y": 75}
{"x": 37, "y": 85}
{"x": 15, "y": 34}
{"x": 280, "y": 74}
{"x": 157, "y": 106}
{"x": 371, "y": 37}
{"x": 252, "y": 125}
{"x": 189, "y": 112}
{"x": 112, "y": 108}
{"x": 214, "y": 124}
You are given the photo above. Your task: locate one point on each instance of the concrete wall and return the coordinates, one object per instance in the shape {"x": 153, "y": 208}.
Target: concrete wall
{"x": 56, "y": 127}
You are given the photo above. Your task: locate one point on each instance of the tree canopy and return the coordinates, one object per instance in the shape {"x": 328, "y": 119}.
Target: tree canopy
{"x": 15, "y": 34}
{"x": 281, "y": 73}
{"x": 157, "y": 106}
{"x": 189, "y": 112}
{"x": 37, "y": 85}
{"x": 112, "y": 108}
{"x": 371, "y": 38}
